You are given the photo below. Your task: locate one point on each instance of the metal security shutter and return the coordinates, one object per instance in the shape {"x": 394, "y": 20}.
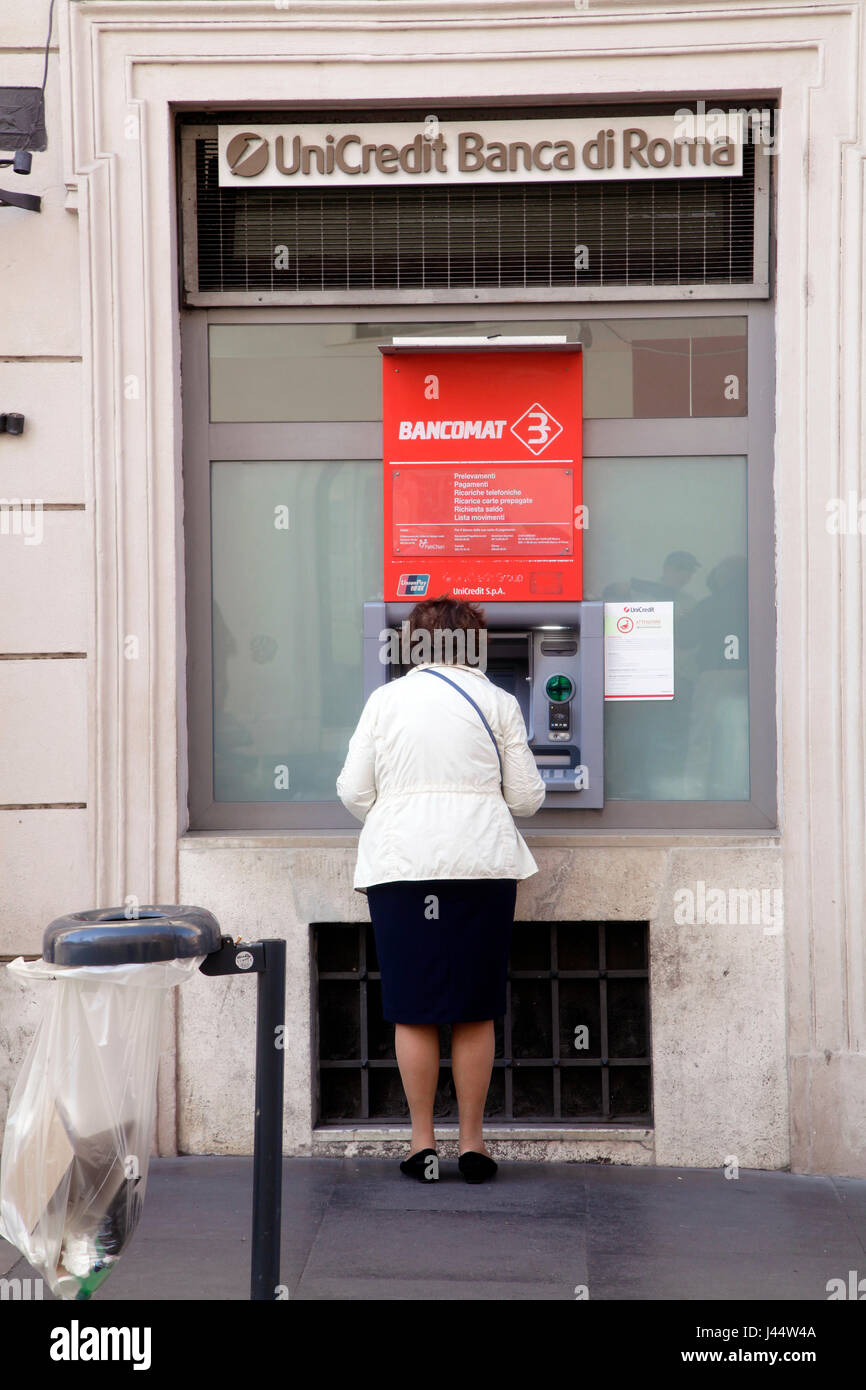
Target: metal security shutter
{"x": 277, "y": 245}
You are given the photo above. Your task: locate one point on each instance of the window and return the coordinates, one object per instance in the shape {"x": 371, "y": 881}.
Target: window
{"x": 284, "y": 544}
{"x": 687, "y": 368}
{"x": 295, "y": 549}
{"x": 650, "y": 518}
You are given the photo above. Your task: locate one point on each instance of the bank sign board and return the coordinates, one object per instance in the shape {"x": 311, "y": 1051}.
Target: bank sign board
{"x": 431, "y": 151}
{"x": 482, "y": 473}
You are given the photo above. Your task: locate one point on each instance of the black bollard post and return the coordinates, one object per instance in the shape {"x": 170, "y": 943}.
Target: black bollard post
{"x": 267, "y": 959}
{"x": 268, "y": 1140}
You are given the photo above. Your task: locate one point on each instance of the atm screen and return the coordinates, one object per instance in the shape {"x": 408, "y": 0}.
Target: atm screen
{"x": 512, "y": 679}
{"x": 506, "y": 680}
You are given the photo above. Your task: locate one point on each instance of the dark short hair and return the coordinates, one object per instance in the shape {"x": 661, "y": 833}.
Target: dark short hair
{"x": 445, "y": 614}
{"x": 682, "y": 560}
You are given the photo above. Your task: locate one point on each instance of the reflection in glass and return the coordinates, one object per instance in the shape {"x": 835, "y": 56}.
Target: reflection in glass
{"x": 675, "y": 529}
{"x": 633, "y": 368}
{"x": 297, "y": 548}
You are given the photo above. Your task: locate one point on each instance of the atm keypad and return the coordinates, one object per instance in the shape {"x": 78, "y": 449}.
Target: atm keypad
{"x": 558, "y": 720}
{"x": 559, "y": 689}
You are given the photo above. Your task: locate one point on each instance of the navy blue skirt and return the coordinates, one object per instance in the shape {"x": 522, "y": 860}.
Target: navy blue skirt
{"x": 443, "y": 947}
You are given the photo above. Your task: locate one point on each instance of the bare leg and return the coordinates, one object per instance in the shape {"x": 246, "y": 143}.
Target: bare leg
{"x": 417, "y": 1048}
{"x": 472, "y": 1049}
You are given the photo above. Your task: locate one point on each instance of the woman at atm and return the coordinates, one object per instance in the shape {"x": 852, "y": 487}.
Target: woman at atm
{"x": 437, "y": 767}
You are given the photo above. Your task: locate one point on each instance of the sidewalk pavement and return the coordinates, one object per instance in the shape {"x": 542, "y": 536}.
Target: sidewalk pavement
{"x": 355, "y": 1228}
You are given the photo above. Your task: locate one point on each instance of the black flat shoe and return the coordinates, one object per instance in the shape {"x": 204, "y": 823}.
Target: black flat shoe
{"x": 477, "y": 1167}
{"x": 421, "y": 1167}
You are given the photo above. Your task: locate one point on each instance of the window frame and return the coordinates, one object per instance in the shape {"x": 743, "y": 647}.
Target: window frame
{"x": 751, "y": 435}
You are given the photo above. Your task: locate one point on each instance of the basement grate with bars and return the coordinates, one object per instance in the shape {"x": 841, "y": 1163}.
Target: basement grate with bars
{"x": 574, "y": 1046}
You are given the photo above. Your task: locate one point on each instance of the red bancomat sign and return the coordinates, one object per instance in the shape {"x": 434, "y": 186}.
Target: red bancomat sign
{"x": 482, "y": 472}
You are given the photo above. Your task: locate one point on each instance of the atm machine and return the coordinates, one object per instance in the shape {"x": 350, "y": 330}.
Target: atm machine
{"x": 482, "y": 501}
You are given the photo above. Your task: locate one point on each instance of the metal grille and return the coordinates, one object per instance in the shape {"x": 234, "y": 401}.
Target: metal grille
{"x": 496, "y": 236}
{"x": 574, "y": 1046}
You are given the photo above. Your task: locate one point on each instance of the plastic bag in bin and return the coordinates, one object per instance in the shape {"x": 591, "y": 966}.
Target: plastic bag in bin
{"x": 81, "y": 1119}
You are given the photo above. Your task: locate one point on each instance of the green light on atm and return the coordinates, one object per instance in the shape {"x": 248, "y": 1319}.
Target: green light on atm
{"x": 559, "y": 688}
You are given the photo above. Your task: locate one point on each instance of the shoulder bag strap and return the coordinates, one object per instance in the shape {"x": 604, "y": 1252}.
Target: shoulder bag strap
{"x": 428, "y": 670}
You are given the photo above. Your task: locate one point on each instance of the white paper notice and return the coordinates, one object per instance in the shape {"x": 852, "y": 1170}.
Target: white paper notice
{"x": 638, "y": 651}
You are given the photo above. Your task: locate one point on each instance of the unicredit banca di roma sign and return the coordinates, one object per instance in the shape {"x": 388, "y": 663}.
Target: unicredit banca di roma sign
{"x": 433, "y": 151}
{"x": 482, "y": 473}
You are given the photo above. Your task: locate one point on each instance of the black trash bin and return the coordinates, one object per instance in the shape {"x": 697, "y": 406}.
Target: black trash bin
{"x": 81, "y": 1118}
{"x": 116, "y": 936}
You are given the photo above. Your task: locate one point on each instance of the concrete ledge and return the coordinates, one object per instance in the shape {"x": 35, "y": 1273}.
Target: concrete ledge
{"x": 327, "y": 1133}
{"x": 628, "y": 1147}
{"x": 200, "y": 841}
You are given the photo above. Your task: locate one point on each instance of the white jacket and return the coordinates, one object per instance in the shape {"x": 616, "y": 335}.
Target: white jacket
{"x": 422, "y": 774}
